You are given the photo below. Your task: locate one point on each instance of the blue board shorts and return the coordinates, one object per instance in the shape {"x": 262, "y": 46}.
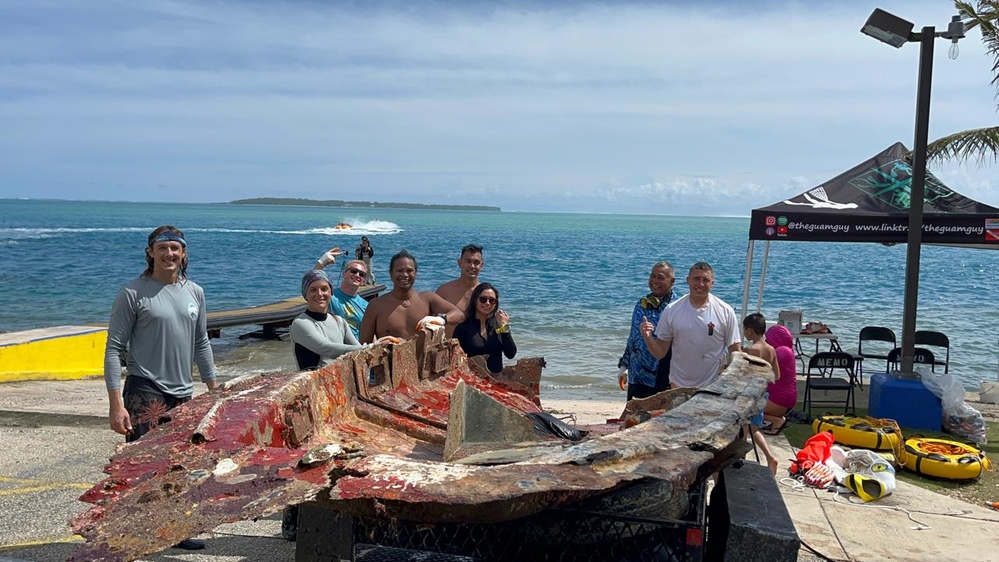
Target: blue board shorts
{"x": 757, "y": 420}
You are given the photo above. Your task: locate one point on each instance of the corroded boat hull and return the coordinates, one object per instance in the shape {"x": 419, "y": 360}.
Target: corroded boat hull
{"x": 368, "y": 435}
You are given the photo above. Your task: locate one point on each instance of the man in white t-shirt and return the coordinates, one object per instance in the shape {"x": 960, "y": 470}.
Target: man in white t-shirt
{"x": 700, "y": 328}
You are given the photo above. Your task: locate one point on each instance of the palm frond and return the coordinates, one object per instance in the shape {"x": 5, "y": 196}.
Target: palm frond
{"x": 986, "y": 17}
{"x": 975, "y": 16}
{"x": 979, "y": 144}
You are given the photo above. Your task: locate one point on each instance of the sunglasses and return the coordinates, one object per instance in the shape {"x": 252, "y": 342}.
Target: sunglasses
{"x": 651, "y": 302}
{"x": 487, "y": 300}
{"x": 355, "y": 271}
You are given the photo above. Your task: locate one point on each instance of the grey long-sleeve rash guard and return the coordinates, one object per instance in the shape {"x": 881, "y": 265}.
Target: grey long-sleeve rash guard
{"x": 323, "y": 336}
{"x": 164, "y": 328}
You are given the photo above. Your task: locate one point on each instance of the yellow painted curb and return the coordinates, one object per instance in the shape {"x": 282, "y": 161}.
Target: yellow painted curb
{"x": 42, "y": 542}
{"x": 59, "y": 353}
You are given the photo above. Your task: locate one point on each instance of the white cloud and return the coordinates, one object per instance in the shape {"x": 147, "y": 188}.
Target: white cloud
{"x": 589, "y": 107}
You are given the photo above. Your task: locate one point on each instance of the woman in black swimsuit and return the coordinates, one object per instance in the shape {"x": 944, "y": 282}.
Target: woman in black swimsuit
{"x": 485, "y": 330}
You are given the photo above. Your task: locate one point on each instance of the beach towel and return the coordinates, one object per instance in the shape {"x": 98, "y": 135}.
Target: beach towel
{"x": 815, "y": 451}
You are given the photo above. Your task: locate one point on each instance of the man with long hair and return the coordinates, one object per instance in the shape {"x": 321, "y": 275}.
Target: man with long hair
{"x": 160, "y": 319}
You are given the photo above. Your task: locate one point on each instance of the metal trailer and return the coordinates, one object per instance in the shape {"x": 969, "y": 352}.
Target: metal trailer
{"x": 746, "y": 520}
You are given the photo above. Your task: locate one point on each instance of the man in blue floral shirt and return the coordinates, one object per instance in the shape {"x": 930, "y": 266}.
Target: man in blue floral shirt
{"x": 638, "y": 368}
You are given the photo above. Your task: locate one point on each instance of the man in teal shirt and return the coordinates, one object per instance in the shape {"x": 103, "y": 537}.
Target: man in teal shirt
{"x": 346, "y": 303}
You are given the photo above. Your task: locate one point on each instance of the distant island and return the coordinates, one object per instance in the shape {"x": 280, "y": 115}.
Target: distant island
{"x": 364, "y": 204}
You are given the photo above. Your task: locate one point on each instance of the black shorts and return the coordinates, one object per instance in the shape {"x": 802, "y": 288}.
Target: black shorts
{"x": 147, "y": 405}
{"x": 638, "y": 390}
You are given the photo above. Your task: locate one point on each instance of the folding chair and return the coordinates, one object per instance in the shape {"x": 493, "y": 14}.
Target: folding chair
{"x": 935, "y": 339}
{"x": 873, "y": 334}
{"x": 919, "y": 356}
{"x": 822, "y": 368}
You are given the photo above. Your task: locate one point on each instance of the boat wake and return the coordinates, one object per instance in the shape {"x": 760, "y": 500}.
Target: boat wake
{"x": 359, "y": 227}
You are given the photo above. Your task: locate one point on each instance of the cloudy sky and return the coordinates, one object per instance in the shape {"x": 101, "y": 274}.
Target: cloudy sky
{"x": 669, "y": 107}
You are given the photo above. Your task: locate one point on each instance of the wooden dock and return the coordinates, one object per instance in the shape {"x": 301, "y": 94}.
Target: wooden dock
{"x": 270, "y": 317}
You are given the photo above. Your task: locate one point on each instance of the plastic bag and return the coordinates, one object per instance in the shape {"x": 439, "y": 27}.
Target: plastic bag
{"x": 959, "y": 419}
{"x": 966, "y": 423}
{"x": 947, "y": 388}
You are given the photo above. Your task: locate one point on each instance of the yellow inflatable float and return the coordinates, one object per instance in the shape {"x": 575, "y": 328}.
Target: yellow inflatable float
{"x": 945, "y": 459}
{"x": 865, "y": 433}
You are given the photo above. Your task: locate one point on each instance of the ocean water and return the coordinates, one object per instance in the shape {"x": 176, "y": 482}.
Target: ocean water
{"x": 568, "y": 281}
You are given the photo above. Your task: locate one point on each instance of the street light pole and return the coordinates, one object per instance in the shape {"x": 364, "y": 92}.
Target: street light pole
{"x": 917, "y": 189}
{"x": 895, "y": 31}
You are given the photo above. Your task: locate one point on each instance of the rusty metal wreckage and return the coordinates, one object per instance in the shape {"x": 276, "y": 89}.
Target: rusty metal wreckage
{"x": 414, "y": 431}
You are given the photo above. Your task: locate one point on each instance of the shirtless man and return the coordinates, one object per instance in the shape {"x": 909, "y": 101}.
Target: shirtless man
{"x": 398, "y": 312}
{"x": 470, "y": 264}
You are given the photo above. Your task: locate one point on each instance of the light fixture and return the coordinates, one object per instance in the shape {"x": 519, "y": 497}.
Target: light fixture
{"x": 955, "y": 31}
{"x": 888, "y": 28}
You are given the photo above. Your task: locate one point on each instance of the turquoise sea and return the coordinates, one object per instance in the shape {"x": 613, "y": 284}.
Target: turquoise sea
{"x": 569, "y": 281}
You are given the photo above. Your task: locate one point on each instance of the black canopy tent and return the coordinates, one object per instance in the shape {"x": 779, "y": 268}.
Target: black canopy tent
{"x": 870, "y": 203}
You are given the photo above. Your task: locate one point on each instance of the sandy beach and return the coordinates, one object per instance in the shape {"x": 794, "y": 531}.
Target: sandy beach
{"x": 586, "y": 412}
